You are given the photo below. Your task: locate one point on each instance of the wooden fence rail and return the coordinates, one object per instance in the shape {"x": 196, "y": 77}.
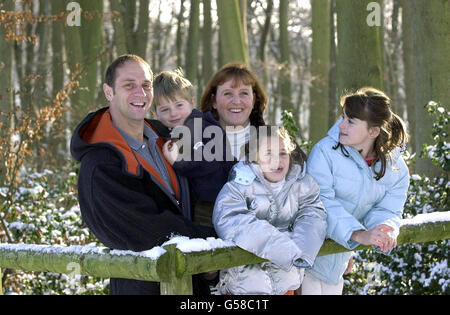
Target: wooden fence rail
{"x": 174, "y": 267}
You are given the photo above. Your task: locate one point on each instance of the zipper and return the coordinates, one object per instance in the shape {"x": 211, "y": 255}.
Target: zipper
{"x": 168, "y": 194}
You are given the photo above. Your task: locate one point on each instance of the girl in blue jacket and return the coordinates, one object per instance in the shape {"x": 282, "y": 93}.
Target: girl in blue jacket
{"x": 363, "y": 183}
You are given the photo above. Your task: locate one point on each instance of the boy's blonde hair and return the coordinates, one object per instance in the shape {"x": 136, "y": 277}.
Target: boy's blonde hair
{"x": 170, "y": 84}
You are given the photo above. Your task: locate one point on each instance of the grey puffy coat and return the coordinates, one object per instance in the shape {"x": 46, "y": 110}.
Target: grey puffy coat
{"x": 287, "y": 229}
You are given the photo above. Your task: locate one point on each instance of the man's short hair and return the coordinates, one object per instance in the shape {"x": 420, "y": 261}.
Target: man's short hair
{"x": 110, "y": 75}
{"x": 172, "y": 84}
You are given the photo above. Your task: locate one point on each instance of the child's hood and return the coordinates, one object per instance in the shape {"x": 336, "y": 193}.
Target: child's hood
{"x": 334, "y": 131}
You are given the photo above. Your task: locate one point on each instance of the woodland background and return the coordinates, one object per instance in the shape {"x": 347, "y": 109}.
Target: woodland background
{"x": 307, "y": 53}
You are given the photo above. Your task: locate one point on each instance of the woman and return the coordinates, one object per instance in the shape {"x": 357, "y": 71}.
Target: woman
{"x": 233, "y": 101}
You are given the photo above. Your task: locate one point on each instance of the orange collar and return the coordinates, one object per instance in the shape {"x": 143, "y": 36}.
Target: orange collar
{"x": 100, "y": 129}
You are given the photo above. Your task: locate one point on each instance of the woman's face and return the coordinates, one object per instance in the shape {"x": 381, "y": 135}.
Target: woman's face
{"x": 234, "y": 103}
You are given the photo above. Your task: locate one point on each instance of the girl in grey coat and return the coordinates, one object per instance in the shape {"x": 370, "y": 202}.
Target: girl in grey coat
{"x": 272, "y": 209}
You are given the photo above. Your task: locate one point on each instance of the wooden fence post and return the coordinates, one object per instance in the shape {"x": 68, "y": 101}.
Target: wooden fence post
{"x": 171, "y": 269}
{"x": 1, "y": 280}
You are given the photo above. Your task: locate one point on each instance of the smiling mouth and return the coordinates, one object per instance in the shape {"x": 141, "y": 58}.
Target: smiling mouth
{"x": 138, "y": 104}
{"x": 277, "y": 170}
{"x": 236, "y": 110}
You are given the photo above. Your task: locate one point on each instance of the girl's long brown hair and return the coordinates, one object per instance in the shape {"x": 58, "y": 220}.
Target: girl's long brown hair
{"x": 374, "y": 107}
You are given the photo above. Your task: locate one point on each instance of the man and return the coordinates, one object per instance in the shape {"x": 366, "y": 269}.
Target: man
{"x": 129, "y": 195}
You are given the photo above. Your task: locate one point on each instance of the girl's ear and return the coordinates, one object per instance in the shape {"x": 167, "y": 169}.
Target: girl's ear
{"x": 374, "y": 132}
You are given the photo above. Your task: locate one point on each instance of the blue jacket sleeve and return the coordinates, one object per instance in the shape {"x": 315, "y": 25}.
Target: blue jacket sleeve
{"x": 341, "y": 224}
{"x": 310, "y": 223}
{"x": 389, "y": 210}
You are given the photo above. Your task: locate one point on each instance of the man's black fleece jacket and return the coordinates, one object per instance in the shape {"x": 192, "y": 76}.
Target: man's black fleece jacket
{"x": 122, "y": 198}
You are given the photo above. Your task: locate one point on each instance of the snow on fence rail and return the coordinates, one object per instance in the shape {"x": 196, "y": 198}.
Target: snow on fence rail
{"x": 174, "y": 263}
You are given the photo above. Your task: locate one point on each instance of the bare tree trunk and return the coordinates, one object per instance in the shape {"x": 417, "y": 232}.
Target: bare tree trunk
{"x": 232, "y": 47}
{"x": 263, "y": 43}
{"x": 431, "y": 45}
{"x": 191, "y": 64}
{"x": 243, "y": 11}
{"x": 156, "y": 40}
{"x": 142, "y": 29}
{"x": 91, "y": 33}
{"x": 6, "y": 73}
{"x": 360, "y": 60}
{"x": 318, "y": 119}
{"x": 179, "y": 38}
{"x": 332, "y": 77}
{"x": 128, "y": 10}
{"x": 207, "y": 63}
{"x": 43, "y": 33}
{"x": 285, "y": 67}
{"x": 408, "y": 64}
{"x": 120, "y": 39}
{"x": 391, "y": 57}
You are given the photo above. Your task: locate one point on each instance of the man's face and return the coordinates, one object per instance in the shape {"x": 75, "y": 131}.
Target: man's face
{"x": 132, "y": 95}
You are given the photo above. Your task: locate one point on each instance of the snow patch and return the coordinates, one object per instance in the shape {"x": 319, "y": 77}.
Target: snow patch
{"x": 183, "y": 243}
{"x": 431, "y": 217}
{"x": 187, "y": 245}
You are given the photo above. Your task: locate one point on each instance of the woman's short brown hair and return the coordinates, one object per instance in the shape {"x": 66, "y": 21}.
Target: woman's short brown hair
{"x": 239, "y": 73}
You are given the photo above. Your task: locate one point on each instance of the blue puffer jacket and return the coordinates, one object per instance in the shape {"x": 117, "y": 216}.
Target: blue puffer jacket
{"x": 353, "y": 198}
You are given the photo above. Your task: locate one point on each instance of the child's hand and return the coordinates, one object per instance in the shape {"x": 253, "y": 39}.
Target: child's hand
{"x": 170, "y": 151}
{"x": 349, "y": 266}
{"x": 378, "y": 236}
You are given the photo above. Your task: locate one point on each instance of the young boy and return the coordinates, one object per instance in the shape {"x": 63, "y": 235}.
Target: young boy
{"x": 174, "y": 98}
{"x": 173, "y": 105}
